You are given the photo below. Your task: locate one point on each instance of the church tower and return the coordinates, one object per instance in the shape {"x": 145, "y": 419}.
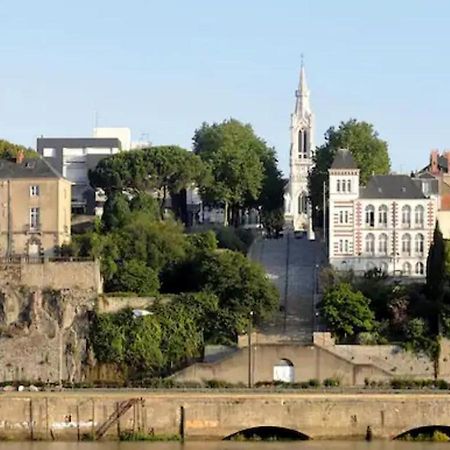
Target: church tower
{"x": 297, "y": 205}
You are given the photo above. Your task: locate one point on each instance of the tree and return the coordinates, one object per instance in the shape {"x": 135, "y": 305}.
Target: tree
{"x": 115, "y": 211}
{"x": 8, "y": 150}
{"x": 232, "y": 150}
{"x": 161, "y": 170}
{"x": 436, "y": 276}
{"x": 436, "y": 266}
{"x": 346, "y": 311}
{"x": 134, "y": 276}
{"x": 241, "y": 287}
{"x": 369, "y": 151}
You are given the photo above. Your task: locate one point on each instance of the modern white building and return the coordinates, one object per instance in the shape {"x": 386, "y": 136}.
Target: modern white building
{"x": 297, "y": 205}
{"x": 387, "y": 224}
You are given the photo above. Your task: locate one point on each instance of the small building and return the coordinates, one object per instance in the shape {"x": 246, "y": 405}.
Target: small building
{"x": 35, "y": 202}
{"x": 73, "y": 158}
{"x": 387, "y": 224}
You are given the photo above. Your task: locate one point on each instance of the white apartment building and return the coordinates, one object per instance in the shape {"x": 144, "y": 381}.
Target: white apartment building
{"x": 387, "y": 224}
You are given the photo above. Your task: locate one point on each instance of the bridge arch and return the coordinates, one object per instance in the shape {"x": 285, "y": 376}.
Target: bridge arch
{"x": 425, "y": 431}
{"x": 268, "y": 433}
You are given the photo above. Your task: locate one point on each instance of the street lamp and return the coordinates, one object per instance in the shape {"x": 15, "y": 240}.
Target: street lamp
{"x": 249, "y": 333}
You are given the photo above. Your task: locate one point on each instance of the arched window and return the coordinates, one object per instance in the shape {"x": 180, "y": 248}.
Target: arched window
{"x": 370, "y": 216}
{"x": 300, "y": 143}
{"x": 349, "y": 185}
{"x": 407, "y": 269}
{"x": 302, "y": 202}
{"x": 419, "y": 244}
{"x": 419, "y": 214}
{"x": 406, "y": 244}
{"x": 382, "y": 215}
{"x": 419, "y": 268}
{"x": 406, "y": 216}
{"x": 370, "y": 244}
{"x": 305, "y": 143}
{"x": 383, "y": 244}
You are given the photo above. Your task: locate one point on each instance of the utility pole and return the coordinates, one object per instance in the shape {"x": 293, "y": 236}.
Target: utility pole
{"x": 250, "y": 369}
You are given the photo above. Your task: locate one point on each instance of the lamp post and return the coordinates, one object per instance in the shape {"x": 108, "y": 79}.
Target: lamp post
{"x": 250, "y": 331}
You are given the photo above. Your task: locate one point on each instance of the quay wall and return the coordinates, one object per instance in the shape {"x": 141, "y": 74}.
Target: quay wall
{"x": 217, "y": 415}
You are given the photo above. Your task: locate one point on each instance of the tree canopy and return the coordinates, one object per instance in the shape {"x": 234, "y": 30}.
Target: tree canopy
{"x": 9, "y": 150}
{"x": 163, "y": 170}
{"x": 369, "y": 151}
{"x": 346, "y": 311}
{"x": 244, "y": 168}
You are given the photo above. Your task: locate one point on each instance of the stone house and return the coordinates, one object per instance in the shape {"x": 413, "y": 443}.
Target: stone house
{"x": 35, "y": 208}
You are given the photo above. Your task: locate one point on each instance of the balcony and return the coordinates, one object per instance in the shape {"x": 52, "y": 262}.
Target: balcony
{"x": 33, "y": 229}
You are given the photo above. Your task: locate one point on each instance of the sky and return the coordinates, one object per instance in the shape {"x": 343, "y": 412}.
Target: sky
{"x": 164, "y": 67}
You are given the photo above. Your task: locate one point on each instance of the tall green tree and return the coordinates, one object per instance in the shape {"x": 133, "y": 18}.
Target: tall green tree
{"x": 346, "y": 311}
{"x": 9, "y": 150}
{"x": 233, "y": 152}
{"x": 369, "y": 151}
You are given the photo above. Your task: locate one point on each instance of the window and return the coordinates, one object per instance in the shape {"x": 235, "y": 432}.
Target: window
{"x": 49, "y": 152}
{"x": 383, "y": 244}
{"x": 406, "y": 216}
{"x": 34, "y": 190}
{"x": 406, "y": 244}
{"x": 370, "y": 244}
{"x": 419, "y": 213}
{"x": 419, "y": 244}
{"x": 34, "y": 218}
{"x": 370, "y": 216}
{"x": 338, "y": 185}
{"x": 302, "y": 203}
{"x": 382, "y": 215}
{"x": 349, "y": 186}
{"x": 346, "y": 246}
{"x": 407, "y": 269}
{"x": 419, "y": 268}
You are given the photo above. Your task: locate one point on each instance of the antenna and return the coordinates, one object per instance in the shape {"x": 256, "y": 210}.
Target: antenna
{"x": 302, "y": 62}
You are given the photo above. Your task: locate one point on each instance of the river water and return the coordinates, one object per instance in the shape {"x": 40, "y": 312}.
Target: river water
{"x": 298, "y": 445}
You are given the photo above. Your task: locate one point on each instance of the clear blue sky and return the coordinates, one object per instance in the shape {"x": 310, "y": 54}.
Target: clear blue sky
{"x": 163, "y": 67}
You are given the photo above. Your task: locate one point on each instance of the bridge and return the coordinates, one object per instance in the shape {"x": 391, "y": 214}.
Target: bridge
{"x": 220, "y": 415}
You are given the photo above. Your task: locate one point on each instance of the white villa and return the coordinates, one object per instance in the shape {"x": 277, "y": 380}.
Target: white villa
{"x": 387, "y": 224}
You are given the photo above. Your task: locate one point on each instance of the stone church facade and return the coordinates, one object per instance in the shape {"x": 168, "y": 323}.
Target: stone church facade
{"x": 297, "y": 205}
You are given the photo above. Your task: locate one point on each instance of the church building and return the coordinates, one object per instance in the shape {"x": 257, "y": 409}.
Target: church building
{"x": 387, "y": 224}
{"x": 297, "y": 205}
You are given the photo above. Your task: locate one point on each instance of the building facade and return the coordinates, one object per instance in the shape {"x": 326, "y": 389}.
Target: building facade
{"x": 73, "y": 158}
{"x": 387, "y": 224}
{"x": 297, "y": 205}
{"x": 35, "y": 200}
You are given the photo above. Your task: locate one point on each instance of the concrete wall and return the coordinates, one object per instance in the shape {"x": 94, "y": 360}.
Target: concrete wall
{"x": 110, "y": 305}
{"x": 310, "y": 362}
{"x": 218, "y": 415}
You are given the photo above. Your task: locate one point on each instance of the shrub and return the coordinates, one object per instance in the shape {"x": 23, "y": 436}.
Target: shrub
{"x": 331, "y": 382}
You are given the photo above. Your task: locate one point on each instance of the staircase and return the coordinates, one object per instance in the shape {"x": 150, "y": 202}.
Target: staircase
{"x": 116, "y": 415}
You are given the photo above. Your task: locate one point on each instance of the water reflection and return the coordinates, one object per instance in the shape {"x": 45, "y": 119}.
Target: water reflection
{"x": 222, "y": 445}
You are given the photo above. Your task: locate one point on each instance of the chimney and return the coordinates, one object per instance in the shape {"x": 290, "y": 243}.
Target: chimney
{"x": 447, "y": 157}
{"x": 20, "y": 156}
{"x": 434, "y": 166}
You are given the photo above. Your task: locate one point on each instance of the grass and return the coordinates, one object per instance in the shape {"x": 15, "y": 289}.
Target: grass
{"x": 436, "y": 436}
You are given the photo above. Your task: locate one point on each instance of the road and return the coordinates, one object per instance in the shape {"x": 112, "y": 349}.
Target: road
{"x": 291, "y": 264}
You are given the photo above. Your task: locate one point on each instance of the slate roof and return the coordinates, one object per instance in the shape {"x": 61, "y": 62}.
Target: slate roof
{"x": 28, "y": 168}
{"x": 343, "y": 160}
{"x": 391, "y": 186}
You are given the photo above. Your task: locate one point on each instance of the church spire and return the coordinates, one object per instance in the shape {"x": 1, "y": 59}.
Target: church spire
{"x": 302, "y": 106}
